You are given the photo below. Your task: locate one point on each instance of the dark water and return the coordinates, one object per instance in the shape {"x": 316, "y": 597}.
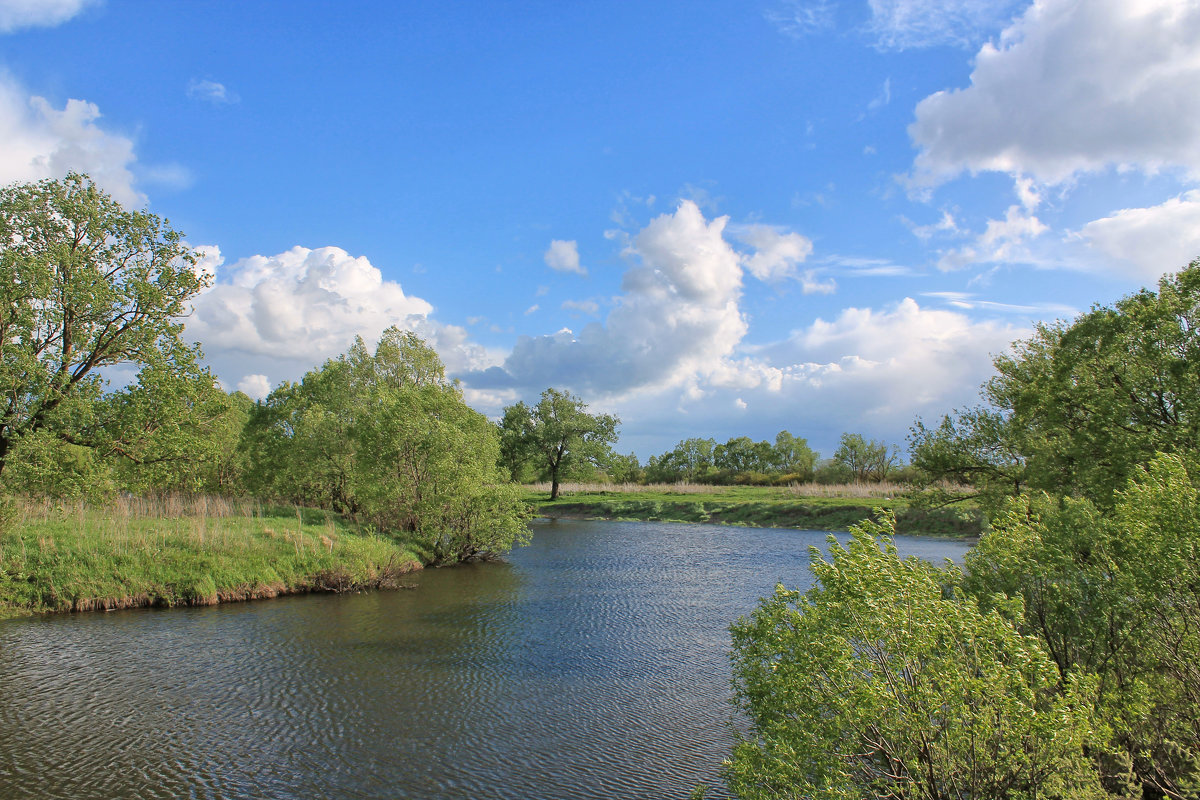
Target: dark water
{"x": 592, "y": 665}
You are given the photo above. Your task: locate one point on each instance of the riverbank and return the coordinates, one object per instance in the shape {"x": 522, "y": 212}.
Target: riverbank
{"x": 69, "y": 556}
{"x": 759, "y": 506}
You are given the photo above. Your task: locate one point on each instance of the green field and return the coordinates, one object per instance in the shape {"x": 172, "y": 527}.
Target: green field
{"x": 831, "y": 508}
{"x": 68, "y": 556}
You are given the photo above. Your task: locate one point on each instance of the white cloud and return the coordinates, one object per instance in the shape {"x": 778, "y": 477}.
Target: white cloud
{"x": 883, "y": 98}
{"x": 532, "y": 309}
{"x": 867, "y": 370}
{"x": 582, "y": 306}
{"x": 969, "y": 301}
{"x": 564, "y": 257}
{"x": 1147, "y": 242}
{"x": 1002, "y": 240}
{"x": 776, "y": 254}
{"x": 678, "y": 317}
{"x": 903, "y": 24}
{"x": 1072, "y": 87}
{"x": 800, "y": 18}
{"x": 256, "y": 387}
{"x": 281, "y": 315}
{"x": 41, "y": 141}
{"x": 210, "y": 92}
{"x": 16, "y": 14}
{"x": 946, "y": 225}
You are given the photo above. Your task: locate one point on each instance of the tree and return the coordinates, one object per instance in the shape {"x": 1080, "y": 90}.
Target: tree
{"x": 792, "y": 456}
{"x": 742, "y": 455}
{"x": 84, "y": 286}
{"x": 883, "y": 681}
{"x": 387, "y": 438}
{"x": 1077, "y": 408}
{"x": 866, "y": 460}
{"x": 559, "y": 436}
{"x": 1114, "y": 595}
{"x": 690, "y": 460}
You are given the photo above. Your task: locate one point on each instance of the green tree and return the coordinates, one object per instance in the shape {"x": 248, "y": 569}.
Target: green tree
{"x": 386, "y": 437}
{"x": 623, "y": 468}
{"x": 865, "y": 459}
{"x": 86, "y": 286}
{"x": 1114, "y": 594}
{"x": 560, "y": 437}
{"x": 882, "y": 681}
{"x": 742, "y": 455}
{"x": 1077, "y": 408}
{"x": 791, "y": 455}
{"x": 690, "y": 460}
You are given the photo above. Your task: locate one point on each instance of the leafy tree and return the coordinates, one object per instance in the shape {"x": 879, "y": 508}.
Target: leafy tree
{"x": 386, "y": 437}
{"x": 791, "y": 455}
{"x": 86, "y": 286}
{"x": 1115, "y": 594}
{"x": 559, "y": 436}
{"x": 880, "y": 681}
{"x": 690, "y": 460}
{"x": 866, "y": 460}
{"x": 623, "y": 468}
{"x": 742, "y": 454}
{"x": 1077, "y": 408}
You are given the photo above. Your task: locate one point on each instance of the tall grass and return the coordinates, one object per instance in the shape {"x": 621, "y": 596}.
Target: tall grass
{"x": 138, "y": 551}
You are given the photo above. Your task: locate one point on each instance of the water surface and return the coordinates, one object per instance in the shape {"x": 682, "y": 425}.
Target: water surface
{"x": 591, "y": 664}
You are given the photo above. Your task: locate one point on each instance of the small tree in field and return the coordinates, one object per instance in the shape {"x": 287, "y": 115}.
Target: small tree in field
{"x": 865, "y": 459}
{"x": 558, "y": 436}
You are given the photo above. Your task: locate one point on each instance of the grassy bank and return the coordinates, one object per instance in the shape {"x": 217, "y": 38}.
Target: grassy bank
{"x": 57, "y": 556}
{"x": 829, "y": 508}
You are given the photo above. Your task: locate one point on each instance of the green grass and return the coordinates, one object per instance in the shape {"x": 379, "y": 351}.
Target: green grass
{"x": 809, "y": 507}
{"x": 57, "y": 556}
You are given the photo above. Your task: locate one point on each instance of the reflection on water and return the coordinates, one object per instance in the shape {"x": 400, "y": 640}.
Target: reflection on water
{"x": 594, "y": 664}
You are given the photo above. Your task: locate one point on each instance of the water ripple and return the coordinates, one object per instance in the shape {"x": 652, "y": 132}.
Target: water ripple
{"x": 592, "y": 665}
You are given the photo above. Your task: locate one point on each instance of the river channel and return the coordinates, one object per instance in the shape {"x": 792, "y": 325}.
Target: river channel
{"x": 591, "y": 664}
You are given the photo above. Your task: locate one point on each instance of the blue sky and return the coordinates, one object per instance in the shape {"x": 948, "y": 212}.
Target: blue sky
{"x": 712, "y": 219}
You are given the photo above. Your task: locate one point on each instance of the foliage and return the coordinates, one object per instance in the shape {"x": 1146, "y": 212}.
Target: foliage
{"x": 623, "y": 468}
{"x": 558, "y": 437}
{"x": 87, "y": 287}
{"x": 1116, "y": 595}
{"x": 882, "y": 681}
{"x": 387, "y": 438}
{"x": 863, "y": 459}
{"x": 740, "y": 460}
{"x": 1076, "y": 409}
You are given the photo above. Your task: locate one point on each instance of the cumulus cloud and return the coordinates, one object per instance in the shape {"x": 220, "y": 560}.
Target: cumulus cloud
{"x": 41, "y": 141}
{"x": 210, "y": 92}
{"x": 256, "y": 387}
{"x": 867, "y": 370}
{"x": 776, "y": 254}
{"x": 278, "y": 316}
{"x": 1072, "y": 87}
{"x": 1147, "y": 242}
{"x": 904, "y": 24}
{"x": 678, "y": 316}
{"x": 564, "y": 257}
{"x": 17, "y": 14}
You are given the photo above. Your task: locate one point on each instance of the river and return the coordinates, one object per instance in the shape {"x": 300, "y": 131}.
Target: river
{"x": 591, "y": 664}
